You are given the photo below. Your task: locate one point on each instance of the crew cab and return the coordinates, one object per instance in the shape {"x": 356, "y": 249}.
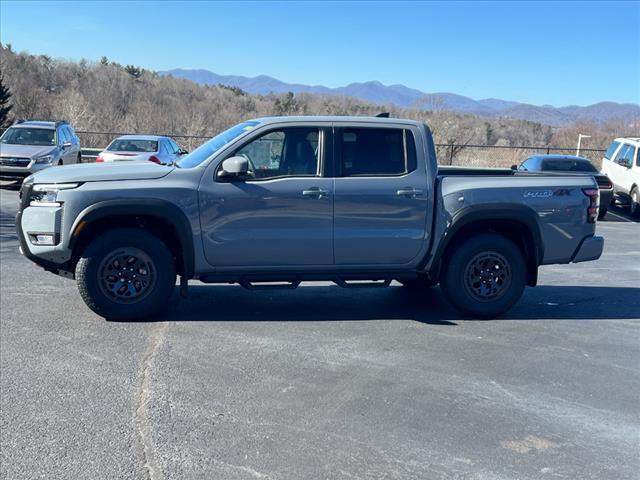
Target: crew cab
{"x": 273, "y": 202}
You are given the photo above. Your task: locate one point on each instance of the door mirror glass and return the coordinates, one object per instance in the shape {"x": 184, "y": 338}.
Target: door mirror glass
{"x": 234, "y": 167}
{"x": 66, "y": 144}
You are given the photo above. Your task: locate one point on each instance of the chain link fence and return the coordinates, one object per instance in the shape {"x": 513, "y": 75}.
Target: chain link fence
{"x": 448, "y": 153}
{"x": 504, "y": 156}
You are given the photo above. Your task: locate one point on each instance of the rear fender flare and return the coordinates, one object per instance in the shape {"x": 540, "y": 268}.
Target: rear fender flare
{"x": 495, "y": 213}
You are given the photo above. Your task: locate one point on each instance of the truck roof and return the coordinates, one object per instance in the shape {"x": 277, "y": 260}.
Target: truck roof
{"x": 336, "y": 118}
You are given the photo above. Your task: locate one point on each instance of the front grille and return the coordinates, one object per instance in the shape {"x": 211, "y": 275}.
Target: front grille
{"x": 14, "y": 161}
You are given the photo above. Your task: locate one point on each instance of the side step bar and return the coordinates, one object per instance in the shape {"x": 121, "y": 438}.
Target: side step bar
{"x": 266, "y": 283}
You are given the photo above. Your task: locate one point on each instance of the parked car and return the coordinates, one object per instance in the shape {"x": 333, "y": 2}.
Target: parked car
{"x": 152, "y": 148}
{"x": 621, "y": 163}
{"x": 572, "y": 164}
{"x": 29, "y": 146}
{"x": 291, "y": 199}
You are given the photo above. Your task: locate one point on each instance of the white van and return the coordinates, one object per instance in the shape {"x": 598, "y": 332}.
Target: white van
{"x": 621, "y": 163}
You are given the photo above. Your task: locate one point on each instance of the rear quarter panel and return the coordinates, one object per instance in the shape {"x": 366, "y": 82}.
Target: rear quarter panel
{"x": 558, "y": 203}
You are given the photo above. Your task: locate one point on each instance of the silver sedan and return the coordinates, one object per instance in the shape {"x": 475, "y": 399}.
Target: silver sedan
{"x": 152, "y": 148}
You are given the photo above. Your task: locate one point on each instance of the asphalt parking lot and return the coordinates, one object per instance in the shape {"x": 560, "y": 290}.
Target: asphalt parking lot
{"x": 324, "y": 383}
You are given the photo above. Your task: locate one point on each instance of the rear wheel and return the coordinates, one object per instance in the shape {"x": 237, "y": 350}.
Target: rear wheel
{"x": 635, "y": 203}
{"x": 79, "y": 158}
{"x": 60, "y": 162}
{"x": 126, "y": 274}
{"x": 484, "y": 276}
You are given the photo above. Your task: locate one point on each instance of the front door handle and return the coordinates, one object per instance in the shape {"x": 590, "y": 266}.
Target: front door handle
{"x": 315, "y": 192}
{"x": 409, "y": 192}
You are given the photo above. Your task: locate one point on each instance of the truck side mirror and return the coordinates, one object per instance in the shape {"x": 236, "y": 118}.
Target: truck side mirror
{"x": 234, "y": 167}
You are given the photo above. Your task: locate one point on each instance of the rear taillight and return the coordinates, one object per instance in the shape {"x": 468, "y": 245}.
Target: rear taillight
{"x": 154, "y": 159}
{"x": 99, "y": 159}
{"x": 594, "y": 203}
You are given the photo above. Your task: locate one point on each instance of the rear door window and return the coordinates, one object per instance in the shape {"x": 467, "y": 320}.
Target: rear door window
{"x": 376, "y": 152}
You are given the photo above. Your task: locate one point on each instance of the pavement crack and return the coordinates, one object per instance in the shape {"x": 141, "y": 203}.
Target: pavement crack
{"x": 141, "y": 417}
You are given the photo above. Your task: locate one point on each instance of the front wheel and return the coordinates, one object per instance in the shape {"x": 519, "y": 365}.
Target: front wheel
{"x": 484, "y": 276}
{"x": 126, "y": 274}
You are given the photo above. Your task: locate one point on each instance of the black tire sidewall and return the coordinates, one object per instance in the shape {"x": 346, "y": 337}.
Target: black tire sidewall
{"x": 452, "y": 283}
{"x": 88, "y": 282}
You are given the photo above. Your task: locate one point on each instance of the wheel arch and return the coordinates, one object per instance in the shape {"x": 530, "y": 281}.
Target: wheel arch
{"x": 515, "y": 222}
{"x": 160, "y": 217}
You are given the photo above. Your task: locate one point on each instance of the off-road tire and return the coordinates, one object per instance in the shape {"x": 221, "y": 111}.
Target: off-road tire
{"x": 90, "y": 273}
{"x": 460, "y": 284}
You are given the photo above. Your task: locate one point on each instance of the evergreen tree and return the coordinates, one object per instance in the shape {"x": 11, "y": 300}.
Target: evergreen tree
{"x": 5, "y": 106}
{"x": 135, "y": 72}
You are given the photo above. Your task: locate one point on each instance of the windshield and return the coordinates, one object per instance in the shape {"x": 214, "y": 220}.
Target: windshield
{"x": 566, "y": 165}
{"x": 133, "y": 145}
{"x": 29, "y": 136}
{"x": 204, "y": 151}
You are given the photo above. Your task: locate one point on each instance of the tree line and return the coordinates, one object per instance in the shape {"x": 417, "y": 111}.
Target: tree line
{"x": 104, "y": 96}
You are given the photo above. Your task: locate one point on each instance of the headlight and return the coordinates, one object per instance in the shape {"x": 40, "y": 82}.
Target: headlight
{"x": 44, "y": 159}
{"x": 46, "y": 195}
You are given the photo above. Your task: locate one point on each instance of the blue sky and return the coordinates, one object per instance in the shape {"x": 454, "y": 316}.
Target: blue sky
{"x": 537, "y": 52}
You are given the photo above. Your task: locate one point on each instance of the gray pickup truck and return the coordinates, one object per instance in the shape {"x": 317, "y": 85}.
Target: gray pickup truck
{"x": 277, "y": 201}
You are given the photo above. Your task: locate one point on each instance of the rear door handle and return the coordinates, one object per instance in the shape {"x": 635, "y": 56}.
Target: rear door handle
{"x": 315, "y": 192}
{"x": 409, "y": 192}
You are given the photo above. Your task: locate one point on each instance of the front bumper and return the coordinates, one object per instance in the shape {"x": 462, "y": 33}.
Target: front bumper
{"x": 590, "y": 249}
{"x": 44, "y": 220}
{"x": 48, "y": 265}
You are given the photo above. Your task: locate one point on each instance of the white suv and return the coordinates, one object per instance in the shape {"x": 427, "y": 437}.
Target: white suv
{"x": 621, "y": 164}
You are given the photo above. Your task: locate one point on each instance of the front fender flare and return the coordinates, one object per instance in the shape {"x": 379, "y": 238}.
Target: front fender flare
{"x": 129, "y": 207}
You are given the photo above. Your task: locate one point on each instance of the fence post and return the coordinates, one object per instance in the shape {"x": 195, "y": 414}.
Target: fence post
{"x": 451, "y": 153}
{"x": 548, "y": 150}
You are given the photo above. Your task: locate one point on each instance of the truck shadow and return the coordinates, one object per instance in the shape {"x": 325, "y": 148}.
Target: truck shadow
{"x": 330, "y": 303}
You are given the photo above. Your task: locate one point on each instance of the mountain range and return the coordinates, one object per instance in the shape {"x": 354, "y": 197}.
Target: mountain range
{"x": 403, "y": 96}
